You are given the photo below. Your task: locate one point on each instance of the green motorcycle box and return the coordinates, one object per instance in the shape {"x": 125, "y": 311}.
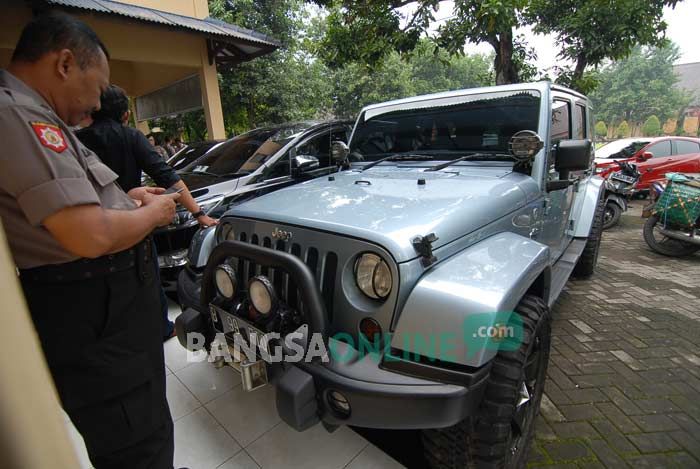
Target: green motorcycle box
{"x": 680, "y": 202}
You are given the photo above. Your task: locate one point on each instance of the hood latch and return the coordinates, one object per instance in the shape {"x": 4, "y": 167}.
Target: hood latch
{"x": 424, "y": 247}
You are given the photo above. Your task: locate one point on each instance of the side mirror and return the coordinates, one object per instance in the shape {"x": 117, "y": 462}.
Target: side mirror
{"x": 303, "y": 163}
{"x": 572, "y": 155}
{"x": 645, "y": 156}
{"x": 339, "y": 151}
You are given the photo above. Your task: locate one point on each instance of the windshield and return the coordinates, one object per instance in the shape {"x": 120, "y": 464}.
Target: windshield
{"x": 620, "y": 149}
{"x": 445, "y": 127}
{"x": 245, "y": 153}
{"x": 189, "y": 154}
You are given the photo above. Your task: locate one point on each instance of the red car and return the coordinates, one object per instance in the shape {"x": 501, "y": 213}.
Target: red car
{"x": 654, "y": 157}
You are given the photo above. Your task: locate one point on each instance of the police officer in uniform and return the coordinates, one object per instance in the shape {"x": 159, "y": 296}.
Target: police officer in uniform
{"x": 80, "y": 244}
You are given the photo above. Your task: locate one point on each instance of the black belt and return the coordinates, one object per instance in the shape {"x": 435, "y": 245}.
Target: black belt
{"x": 138, "y": 257}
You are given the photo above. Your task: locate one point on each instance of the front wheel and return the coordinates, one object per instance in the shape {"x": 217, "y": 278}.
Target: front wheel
{"x": 500, "y": 433}
{"x": 663, "y": 244}
{"x": 611, "y": 215}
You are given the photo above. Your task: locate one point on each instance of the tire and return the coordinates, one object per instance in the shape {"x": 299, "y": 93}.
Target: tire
{"x": 500, "y": 433}
{"x": 663, "y": 245}
{"x": 585, "y": 266}
{"x": 611, "y": 215}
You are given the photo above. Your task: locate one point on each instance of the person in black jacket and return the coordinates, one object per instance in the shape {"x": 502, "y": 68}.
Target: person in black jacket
{"x": 128, "y": 153}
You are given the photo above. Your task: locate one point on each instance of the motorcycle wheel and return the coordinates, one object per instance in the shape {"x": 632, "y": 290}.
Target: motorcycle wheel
{"x": 663, "y": 244}
{"x": 611, "y": 215}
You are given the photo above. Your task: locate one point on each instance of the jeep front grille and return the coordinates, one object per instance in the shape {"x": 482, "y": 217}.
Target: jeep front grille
{"x": 324, "y": 266}
{"x": 330, "y": 257}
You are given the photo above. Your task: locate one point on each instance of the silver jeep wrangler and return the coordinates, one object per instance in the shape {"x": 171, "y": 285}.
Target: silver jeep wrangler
{"x": 412, "y": 289}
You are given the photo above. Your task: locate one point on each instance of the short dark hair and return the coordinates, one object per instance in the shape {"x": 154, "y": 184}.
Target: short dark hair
{"x": 53, "y": 31}
{"x": 113, "y": 104}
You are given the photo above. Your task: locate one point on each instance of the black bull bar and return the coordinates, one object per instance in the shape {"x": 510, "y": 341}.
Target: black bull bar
{"x": 314, "y": 308}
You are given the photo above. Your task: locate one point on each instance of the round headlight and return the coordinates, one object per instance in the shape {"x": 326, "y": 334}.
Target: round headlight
{"x": 225, "y": 280}
{"x": 262, "y": 295}
{"x": 373, "y": 276}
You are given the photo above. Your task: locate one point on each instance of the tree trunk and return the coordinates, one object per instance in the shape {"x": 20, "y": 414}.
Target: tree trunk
{"x": 503, "y": 64}
{"x": 581, "y": 63}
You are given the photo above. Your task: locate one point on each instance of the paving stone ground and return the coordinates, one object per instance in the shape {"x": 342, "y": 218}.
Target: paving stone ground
{"x": 623, "y": 385}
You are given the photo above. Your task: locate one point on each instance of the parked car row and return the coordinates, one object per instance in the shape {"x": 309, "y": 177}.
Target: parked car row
{"x": 222, "y": 174}
{"x": 654, "y": 157}
{"x": 631, "y": 166}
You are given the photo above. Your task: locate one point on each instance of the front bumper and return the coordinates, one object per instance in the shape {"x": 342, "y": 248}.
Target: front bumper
{"x": 378, "y": 397}
{"x": 381, "y": 393}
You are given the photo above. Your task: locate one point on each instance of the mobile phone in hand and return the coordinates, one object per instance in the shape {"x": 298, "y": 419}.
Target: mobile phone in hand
{"x": 173, "y": 189}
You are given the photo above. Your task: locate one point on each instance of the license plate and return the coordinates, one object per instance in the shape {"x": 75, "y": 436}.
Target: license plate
{"x": 623, "y": 178}
{"x": 253, "y": 372}
{"x": 236, "y": 325}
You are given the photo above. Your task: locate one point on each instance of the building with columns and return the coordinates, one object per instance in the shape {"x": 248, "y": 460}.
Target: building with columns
{"x": 164, "y": 53}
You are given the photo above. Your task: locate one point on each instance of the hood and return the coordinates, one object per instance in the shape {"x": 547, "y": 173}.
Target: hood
{"x": 206, "y": 185}
{"x": 390, "y": 207}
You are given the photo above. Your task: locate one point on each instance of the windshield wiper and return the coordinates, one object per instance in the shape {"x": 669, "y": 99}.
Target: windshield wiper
{"x": 399, "y": 157}
{"x": 475, "y": 156}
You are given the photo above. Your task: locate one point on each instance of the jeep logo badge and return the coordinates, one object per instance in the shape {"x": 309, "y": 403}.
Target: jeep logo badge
{"x": 281, "y": 235}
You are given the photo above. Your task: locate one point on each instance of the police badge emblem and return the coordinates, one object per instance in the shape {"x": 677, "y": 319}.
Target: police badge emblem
{"x": 50, "y": 136}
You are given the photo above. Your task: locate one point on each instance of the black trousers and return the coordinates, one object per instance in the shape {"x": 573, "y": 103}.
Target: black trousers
{"x": 102, "y": 339}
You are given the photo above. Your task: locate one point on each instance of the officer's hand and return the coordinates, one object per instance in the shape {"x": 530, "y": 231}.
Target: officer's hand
{"x": 138, "y": 193}
{"x": 163, "y": 207}
{"x": 206, "y": 221}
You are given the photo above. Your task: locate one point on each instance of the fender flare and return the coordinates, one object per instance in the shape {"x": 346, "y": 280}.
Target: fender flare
{"x": 486, "y": 278}
{"x": 589, "y": 195}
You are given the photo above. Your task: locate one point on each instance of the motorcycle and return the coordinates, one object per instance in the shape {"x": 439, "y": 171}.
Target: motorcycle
{"x": 673, "y": 224}
{"x": 618, "y": 188}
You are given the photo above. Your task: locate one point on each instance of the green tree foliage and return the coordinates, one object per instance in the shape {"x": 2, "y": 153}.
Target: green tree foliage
{"x": 433, "y": 69}
{"x": 623, "y": 130}
{"x": 351, "y": 22}
{"x": 601, "y": 130}
{"x": 639, "y": 86}
{"x": 592, "y": 31}
{"x": 287, "y": 85}
{"x": 425, "y": 70}
{"x": 588, "y": 31}
{"x": 652, "y": 127}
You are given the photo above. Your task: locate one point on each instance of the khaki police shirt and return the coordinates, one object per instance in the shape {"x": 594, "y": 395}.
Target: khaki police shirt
{"x": 43, "y": 169}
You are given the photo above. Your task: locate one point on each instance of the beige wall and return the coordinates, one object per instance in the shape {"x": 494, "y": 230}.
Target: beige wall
{"x": 32, "y": 429}
{"x": 195, "y": 8}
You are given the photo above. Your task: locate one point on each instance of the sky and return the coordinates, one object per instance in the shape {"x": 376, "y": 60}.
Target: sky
{"x": 682, "y": 29}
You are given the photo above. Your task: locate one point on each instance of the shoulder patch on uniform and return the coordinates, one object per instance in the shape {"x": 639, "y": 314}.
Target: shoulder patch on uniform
{"x": 50, "y": 136}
